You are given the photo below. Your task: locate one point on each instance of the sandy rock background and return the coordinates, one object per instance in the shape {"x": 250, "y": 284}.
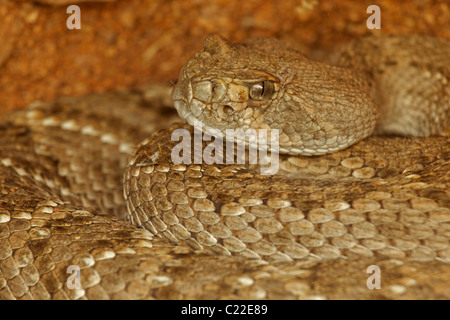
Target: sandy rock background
{"x": 125, "y": 44}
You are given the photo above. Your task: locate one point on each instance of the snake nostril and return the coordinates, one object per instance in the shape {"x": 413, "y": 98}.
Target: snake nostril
{"x": 228, "y": 110}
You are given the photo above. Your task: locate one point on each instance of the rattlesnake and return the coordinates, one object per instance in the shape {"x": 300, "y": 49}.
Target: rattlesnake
{"x": 226, "y": 231}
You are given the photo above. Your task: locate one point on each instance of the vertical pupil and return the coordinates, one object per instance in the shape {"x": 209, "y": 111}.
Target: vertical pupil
{"x": 261, "y": 90}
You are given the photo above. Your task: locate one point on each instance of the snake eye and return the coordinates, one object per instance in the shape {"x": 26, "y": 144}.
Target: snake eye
{"x": 261, "y": 90}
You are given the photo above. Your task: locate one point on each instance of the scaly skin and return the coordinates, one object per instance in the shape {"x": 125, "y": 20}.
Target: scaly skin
{"x": 316, "y": 227}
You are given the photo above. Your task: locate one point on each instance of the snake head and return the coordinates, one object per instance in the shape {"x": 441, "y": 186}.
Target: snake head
{"x": 264, "y": 84}
{"x": 228, "y": 86}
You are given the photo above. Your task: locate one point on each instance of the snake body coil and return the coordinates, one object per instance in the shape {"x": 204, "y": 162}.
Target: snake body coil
{"x": 309, "y": 232}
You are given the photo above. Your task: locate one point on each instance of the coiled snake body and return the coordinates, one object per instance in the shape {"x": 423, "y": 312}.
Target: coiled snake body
{"x": 225, "y": 231}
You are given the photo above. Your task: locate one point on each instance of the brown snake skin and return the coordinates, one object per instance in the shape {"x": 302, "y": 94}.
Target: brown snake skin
{"x": 309, "y": 232}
